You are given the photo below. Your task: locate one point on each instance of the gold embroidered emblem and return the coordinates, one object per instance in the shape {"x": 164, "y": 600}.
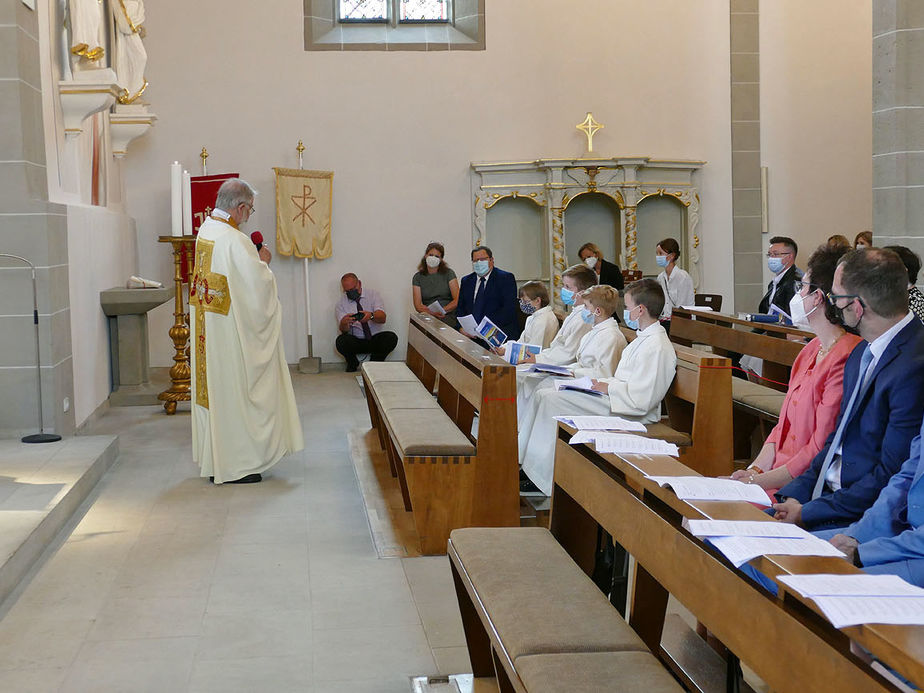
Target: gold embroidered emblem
{"x": 208, "y": 293}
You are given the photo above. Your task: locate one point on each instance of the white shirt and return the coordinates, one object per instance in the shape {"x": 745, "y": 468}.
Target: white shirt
{"x": 877, "y": 348}
{"x": 645, "y": 372}
{"x": 599, "y": 351}
{"x": 564, "y": 347}
{"x": 540, "y": 327}
{"x": 678, "y": 290}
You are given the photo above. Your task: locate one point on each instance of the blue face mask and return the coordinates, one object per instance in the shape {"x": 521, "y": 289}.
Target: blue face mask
{"x": 630, "y": 323}
{"x": 587, "y": 316}
{"x": 481, "y": 267}
{"x": 775, "y": 264}
{"x": 567, "y": 297}
{"x": 527, "y": 307}
{"x": 661, "y": 260}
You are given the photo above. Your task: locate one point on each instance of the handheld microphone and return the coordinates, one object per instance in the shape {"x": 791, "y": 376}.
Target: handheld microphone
{"x": 257, "y": 239}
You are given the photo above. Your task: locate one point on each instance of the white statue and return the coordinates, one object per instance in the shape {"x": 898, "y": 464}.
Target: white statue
{"x": 86, "y": 19}
{"x": 130, "y": 56}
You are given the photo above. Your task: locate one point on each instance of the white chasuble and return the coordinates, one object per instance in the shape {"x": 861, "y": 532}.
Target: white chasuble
{"x": 244, "y": 417}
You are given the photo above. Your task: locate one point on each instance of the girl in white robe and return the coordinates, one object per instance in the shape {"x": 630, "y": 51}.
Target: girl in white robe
{"x": 635, "y": 390}
{"x": 597, "y": 357}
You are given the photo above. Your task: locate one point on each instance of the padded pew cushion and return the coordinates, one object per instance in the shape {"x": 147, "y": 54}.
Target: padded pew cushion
{"x": 426, "y": 433}
{"x": 757, "y": 396}
{"x": 592, "y": 672}
{"x": 403, "y": 395}
{"x": 384, "y": 371}
{"x": 538, "y": 600}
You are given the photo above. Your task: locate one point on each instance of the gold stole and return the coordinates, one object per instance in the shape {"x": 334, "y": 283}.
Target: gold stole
{"x": 209, "y": 293}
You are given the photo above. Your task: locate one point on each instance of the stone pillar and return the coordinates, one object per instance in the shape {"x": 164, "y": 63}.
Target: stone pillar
{"x": 898, "y": 124}
{"x": 35, "y": 229}
{"x": 747, "y": 244}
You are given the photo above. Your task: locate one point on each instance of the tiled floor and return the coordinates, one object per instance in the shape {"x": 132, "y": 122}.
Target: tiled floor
{"x": 169, "y": 583}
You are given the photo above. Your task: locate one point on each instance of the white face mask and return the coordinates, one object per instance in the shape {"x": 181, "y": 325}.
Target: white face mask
{"x": 797, "y": 310}
{"x": 591, "y": 261}
{"x": 433, "y": 261}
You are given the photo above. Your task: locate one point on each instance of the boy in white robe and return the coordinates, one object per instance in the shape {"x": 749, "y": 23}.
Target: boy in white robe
{"x": 541, "y": 325}
{"x": 563, "y": 349}
{"x": 244, "y": 417}
{"x": 597, "y": 357}
{"x": 635, "y": 390}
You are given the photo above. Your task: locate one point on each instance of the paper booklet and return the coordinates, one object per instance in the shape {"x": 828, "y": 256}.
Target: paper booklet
{"x": 437, "y": 308}
{"x": 578, "y": 384}
{"x": 491, "y": 333}
{"x": 744, "y": 528}
{"x": 857, "y": 585}
{"x": 517, "y": 352}
{"x": 468, "y": 324}
{"x": 549, "y": 368}
{"x": 740, "y": 550}
{"x": 602, "y": 423}
{"x": 627, "y": 444}
{"x": 708, "y": 489}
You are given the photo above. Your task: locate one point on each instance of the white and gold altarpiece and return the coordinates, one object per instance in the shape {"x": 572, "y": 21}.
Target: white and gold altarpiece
{"x": 554, "y": 184}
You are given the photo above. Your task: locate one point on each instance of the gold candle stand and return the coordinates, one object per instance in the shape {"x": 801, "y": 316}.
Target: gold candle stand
{"x": 179, "y": 390}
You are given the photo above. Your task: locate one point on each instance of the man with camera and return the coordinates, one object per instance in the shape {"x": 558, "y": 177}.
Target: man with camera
{"x": 360, "y": 316}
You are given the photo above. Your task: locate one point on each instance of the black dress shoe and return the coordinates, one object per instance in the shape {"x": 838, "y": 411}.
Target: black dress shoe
{"x": 352, "y": 369}
{"x": 212, "y": 479}
{"x": 249, "y": 479}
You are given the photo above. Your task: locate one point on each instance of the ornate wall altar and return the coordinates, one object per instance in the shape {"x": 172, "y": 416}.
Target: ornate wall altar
{"x": 553, "y": 184}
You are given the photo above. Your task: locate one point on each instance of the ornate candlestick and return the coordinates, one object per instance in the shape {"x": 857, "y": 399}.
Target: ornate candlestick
{"x": 179, "y": 390}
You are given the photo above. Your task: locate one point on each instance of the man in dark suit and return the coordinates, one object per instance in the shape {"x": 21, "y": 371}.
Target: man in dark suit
{"x": 489, "y": 291}
{"x": 883, "y": 399}
{"x": 781, "y": 259}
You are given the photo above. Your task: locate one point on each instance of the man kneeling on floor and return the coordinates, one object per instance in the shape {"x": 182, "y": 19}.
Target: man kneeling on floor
{"x": 642, "y": 378}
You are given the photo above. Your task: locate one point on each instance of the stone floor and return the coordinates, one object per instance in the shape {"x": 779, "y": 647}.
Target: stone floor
{"x": 168, "y": 583}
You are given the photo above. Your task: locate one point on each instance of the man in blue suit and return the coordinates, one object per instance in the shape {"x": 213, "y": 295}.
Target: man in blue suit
{"x": 889, "y": 538}
{"x": 492, "y": 292}
{"x": 883, "y": 397}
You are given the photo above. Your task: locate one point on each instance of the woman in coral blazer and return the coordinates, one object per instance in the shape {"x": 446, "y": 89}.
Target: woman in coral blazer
{"x": 813, "y": 400}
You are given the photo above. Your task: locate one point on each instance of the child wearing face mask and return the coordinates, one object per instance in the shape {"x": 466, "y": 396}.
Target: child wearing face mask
{"x": 541, "y": 325}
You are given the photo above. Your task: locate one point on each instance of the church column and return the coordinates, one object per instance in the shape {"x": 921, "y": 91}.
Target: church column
{"x": 34, "y": 228}
{"x": 747, "y": 244}
{"x": 898, "y": 124}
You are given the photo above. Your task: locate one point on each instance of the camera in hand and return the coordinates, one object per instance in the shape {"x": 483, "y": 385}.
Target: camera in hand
{"x": 358, "y": 316}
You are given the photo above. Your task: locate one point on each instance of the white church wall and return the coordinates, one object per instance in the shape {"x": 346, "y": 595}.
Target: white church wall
{"x": 816, "y": 118}
{"x": 399, "y": 129}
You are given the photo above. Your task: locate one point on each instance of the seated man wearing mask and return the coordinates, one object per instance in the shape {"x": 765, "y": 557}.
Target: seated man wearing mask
{"x": 882, "y": 400}
{"x": 360, "y": 316}
{"x": 489, "y": 292}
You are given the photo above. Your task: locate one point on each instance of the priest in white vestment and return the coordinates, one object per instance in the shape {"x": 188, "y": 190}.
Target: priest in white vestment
{"x": 244, "y": 417}
{"x": 642, "y": 378}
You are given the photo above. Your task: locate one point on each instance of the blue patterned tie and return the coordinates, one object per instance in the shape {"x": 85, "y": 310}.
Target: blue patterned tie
{"x": 839, "y": 434}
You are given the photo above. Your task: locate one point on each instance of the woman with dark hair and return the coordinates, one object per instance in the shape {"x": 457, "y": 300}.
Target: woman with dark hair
{"x": 912, "y": 263}
{"x": 813, "y": 400}
{"x": 434, "y": 281}
{"x": 839, "y": 241}
{"x": 676, "y": 284}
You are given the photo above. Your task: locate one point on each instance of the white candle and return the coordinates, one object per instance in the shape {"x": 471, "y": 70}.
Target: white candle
{"x": 187, "y": 204}
{"x": 176, "y": 199}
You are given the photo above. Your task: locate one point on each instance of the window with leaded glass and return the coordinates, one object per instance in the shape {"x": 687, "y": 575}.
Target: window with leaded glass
{"x": 404, "y": 11}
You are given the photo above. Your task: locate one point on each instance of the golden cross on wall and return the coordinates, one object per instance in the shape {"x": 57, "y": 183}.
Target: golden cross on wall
{"x": 589, "y": 126}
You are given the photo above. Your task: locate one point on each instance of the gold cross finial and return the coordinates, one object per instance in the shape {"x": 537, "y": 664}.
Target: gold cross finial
{"x": 300, "y": 148}
{"x": 204, "y": 155}
{"x": 589, "y": 126}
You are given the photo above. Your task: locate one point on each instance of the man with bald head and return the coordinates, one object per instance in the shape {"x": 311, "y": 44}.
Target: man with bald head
{"x": 244, "y": 418}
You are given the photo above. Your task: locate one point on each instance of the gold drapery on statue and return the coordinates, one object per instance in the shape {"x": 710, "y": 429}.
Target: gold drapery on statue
{"x": 303, "y": 212}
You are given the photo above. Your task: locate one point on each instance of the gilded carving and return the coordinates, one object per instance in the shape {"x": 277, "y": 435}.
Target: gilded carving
{"x": 631, "y": 239}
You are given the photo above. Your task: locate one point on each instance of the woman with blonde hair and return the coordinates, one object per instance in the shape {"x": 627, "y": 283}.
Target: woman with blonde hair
{"x": 435, "y": 282}
{"x": 607, "y": 272}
